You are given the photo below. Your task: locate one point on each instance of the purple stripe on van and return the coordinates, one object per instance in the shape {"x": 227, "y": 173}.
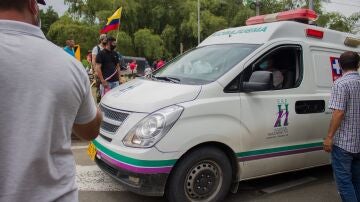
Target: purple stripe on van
{"x": 284, "y": 153}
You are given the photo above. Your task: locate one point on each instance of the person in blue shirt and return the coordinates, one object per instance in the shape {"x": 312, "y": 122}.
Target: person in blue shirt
{"x": 69, "y": 48}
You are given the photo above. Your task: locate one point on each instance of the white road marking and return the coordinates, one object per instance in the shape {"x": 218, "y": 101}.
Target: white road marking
{"x": 288, "y": 185}
{"x": 79, "y": 147}
{"x": 91, "y": 178}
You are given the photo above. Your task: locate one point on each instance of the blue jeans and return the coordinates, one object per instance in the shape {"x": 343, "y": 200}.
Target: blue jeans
{"x": 111, "y": 85}
{"x": 346, "y": 167}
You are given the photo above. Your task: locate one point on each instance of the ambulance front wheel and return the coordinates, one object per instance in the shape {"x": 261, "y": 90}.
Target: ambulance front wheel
{"x": 202, "y": 175}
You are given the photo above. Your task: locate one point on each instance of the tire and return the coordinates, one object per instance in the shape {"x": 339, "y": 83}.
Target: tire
{"x": 202, "y": 175}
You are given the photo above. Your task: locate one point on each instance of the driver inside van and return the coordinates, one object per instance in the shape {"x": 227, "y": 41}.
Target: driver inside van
{"x": 278, "y": 78}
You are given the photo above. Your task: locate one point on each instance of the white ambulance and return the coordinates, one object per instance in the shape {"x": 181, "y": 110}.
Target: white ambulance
{"x": 248, "y": 102}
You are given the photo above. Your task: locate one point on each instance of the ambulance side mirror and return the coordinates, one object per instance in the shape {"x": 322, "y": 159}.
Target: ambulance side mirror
{"x": 259, "y": 81}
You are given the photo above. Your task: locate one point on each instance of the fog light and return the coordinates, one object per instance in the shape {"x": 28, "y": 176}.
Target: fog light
{"x": 135, "y": 180}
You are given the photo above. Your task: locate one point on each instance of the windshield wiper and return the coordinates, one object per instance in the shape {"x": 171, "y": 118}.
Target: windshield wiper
{"x": 167, "y": 78}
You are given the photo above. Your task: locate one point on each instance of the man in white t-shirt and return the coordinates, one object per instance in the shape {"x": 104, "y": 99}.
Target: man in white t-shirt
{"x": 96, "y": 50}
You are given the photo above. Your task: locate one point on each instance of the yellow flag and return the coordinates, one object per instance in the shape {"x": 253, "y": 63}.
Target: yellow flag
{"x": 77, "y": 52}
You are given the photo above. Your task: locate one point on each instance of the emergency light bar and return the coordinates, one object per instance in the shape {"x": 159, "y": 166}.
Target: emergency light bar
{"x": 296, "y": 15}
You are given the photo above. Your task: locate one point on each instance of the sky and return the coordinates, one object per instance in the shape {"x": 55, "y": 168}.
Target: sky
{"x": 58, "y": 6}
{"x": 345, "y": 7}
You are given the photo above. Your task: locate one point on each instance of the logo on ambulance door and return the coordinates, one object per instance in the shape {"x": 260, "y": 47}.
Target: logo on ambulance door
{"x": 283, "y": 113}
{"x": 280, "y": 129}
{"x": 335, "y": 68}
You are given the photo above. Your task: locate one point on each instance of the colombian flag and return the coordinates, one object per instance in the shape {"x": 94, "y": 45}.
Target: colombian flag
{"x": 113, "y": 22}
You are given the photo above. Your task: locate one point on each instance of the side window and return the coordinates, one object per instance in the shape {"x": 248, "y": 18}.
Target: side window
{"x": 284, "y": 63}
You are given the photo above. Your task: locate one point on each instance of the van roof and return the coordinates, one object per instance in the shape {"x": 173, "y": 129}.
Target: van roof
{"x": 261, "y": 33}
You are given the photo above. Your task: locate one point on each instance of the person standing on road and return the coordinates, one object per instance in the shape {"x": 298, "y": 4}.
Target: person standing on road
{"x": 133, "y": 66}
{"x": 160, "y": 63}
{"x": 343, "y": 139}
{"x": 96, "y": 50}
{"x": 108, "y": 67}
{"x": 38, "y": 115}
{"x": 69, "y": 48}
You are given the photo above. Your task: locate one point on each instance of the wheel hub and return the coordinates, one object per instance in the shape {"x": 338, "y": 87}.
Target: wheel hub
{"x": 203, "y": 180}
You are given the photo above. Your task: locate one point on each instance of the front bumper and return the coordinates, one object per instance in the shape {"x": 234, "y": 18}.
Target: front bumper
{"x": 149, "y": 184}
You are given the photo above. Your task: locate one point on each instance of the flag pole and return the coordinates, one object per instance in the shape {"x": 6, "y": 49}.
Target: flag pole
{"x": 118, "y": 30}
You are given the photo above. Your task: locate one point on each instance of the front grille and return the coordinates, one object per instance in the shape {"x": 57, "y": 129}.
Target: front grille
{"x": 112, "y": 114}
{"x": 109, "y": 127}
{"x": 112, "y": 121}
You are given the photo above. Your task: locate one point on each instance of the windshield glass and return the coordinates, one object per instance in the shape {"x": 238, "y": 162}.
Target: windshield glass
{"x": 205, "y": 64}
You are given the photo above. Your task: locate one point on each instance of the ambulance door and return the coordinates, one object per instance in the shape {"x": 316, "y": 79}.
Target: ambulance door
{"x": 275, "y": 141}
{"x": 326, "y": 70}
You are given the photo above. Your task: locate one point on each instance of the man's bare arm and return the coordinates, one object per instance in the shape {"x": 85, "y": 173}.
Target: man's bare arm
{"x": 89, "y": 131}
{"x": 93, "y": 61}
{"x": 337, "y": 118}
{"x": 100, "y": 75}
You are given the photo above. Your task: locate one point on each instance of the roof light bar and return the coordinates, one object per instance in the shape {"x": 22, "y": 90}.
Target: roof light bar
{"x": 352, "y": 42}
{"x": 301, "y": 14}
{"x": 314, "y": 33}
{"x": 298, "y": 14}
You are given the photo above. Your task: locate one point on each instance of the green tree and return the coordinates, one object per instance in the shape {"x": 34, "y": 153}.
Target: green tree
{"x": 162, "y": 24}
{"x": 274, "y": 6}
{"x": 339, "y": 22}
{"x": 241, "y": 17}
{"x": 168, "y": 36}
{"x": 125, "y": 44}
{"x": 65, "y": 28}
{"x": 149, "y": 45}
{"x": 48, "y": 17}
{"x": 211, "y": 23}
{"x": 87, "y": 10}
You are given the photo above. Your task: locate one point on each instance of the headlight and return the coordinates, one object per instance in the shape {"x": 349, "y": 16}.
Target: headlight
{"x": 153, "y": 127}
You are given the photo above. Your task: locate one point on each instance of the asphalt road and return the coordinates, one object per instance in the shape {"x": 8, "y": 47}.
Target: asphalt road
{"x": 312, "y": 185}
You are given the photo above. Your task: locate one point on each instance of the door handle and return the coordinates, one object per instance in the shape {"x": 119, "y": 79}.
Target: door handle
{"x": 309, "y": 106}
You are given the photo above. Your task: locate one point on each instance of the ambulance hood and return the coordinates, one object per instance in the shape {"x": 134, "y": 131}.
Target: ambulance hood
{"x": 146, "y": 96}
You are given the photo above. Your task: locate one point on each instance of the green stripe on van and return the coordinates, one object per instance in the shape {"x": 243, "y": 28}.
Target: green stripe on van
{"x": 163, "y": 163}
{"x": 132, "y": 161}
{"x": 278, "y": 149}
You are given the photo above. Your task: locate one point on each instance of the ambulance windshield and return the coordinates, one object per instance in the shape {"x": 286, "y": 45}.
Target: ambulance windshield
{"x": 204, "y": 64}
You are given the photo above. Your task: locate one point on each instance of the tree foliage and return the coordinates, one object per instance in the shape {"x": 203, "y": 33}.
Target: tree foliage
{"x": 125, "y": 44}
{"x": 339, "y": 22}
{"x": 48, "y": 17}
{"x": 169, "y": 37}
{"x": 148, "y": 45}
{"x": 156, "y": 28}
{"x": 66, "y": 28}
